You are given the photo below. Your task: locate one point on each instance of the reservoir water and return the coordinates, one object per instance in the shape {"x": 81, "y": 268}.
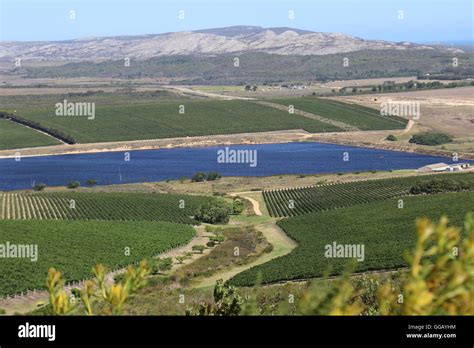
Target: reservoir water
{"x": 163, "y": 164}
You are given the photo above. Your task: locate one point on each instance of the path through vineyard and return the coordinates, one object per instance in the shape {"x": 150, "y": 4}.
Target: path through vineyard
{"x": 282, "y": 245}
{"x": 255, "y": 204}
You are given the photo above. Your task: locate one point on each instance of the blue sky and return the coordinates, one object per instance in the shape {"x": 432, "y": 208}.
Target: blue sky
{"x": 424, "y": 20}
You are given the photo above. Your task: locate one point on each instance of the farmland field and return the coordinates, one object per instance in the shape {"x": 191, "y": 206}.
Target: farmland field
{"x": 361, "y": 117}
{"x": 384, "y": 230}
{"x": 163, "y": 120}
{"x": 74, "y": 247}
{"x": 100, "y": 206}
{"x": 297, "y": 201}
{"x": 14, "y": 136}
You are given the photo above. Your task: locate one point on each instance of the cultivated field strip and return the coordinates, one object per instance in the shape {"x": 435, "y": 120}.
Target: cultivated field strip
{"x": 304, "y": 200}
{"x": 100, "y": 206}
{"x": 333, "y": 123}
{"x": 354, "y": 117}
{"x": 159, "y": 120}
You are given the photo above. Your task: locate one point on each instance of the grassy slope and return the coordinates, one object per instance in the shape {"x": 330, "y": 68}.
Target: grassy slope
{"x": 162, "y": 120}
{"x": 13, "y": 136}
{"x": 355, "y": 115}
{"x": 385, "y": 230}
{"x": 74, "y": 247}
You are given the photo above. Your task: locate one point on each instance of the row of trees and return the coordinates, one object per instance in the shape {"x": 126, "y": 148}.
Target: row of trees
{"x": 36, "y": 125}
{"x": 71, "y": 185}
{"x": 441, "y": 185}
{"x": 201, "y": 176}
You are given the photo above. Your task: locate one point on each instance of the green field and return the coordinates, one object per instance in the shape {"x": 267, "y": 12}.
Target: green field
{"x": 74, "y": 247}
{"x": 163, "y": 120}
{"x": 384, "y": 230}
{"x": 355, "y": 115}
{"x": 317, "y": 198}
{"x": 14, "y": 136}
{"x": 101, "y": 206}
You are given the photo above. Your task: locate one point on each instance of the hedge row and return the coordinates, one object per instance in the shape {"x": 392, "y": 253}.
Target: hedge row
{"x": 38, "y": 126}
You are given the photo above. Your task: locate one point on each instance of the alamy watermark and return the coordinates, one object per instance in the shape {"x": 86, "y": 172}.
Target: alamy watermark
{"x": 75, "y": 109}
{"x": 401, "y": 108}
{"x": 345, "y": 251}
{"x": 245, "y": 156}
{"x": 21, "y": 251}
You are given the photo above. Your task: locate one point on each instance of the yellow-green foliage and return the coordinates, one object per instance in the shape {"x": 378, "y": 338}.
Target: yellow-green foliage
{"x": 441, "y": 276}
{"x": 226, "y": 302}
{"x": 110, "y": 298}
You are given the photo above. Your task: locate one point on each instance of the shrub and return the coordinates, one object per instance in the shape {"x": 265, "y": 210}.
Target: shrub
{"x": 226, "y": 301}
{"x": 199, "y": 248}
{"x": 238, "y": 206}
{"x": 2, "y": 311}
{"x": 391, "y": 137}
{"x": 213, "y": 176}
{"x": 180, "y": 259}
{"x": 214, "y": 212}
{"x": 73, "y": 184}
{"x": 158, "y": 266}
{"x": 91, "y": 182}
{"x": 217, "y": 239}
{"x": 199, "y": 177}
{"x": 430, "y": 139}
{"x": 39, "y": 187}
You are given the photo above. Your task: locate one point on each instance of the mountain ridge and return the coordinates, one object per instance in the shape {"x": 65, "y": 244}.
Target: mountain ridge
{"x": 207, "y": 42}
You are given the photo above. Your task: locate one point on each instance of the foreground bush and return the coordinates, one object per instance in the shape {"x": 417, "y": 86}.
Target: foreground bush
{"x": 226, "y": 302}
{"x": 97, "y": 297}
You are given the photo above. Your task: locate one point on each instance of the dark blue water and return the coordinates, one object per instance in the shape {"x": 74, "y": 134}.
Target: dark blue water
{"x": 158, "y": 165}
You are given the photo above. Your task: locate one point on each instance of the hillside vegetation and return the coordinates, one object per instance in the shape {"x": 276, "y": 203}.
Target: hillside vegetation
{"x": 264, "y": 67}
